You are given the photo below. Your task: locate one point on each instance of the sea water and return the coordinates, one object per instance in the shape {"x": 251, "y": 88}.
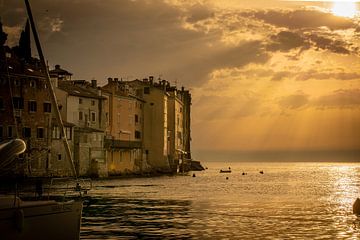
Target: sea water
{"x": 288, "y": 201}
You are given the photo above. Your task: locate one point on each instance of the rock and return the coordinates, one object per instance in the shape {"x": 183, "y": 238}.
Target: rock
{"x": 356, "y": 207}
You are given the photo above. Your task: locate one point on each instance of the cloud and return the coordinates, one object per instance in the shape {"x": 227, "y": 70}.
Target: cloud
{"x": 342, "y": 98}
{"x": 199, "y": 12}
{"x": 325, "y": 75}
{"x": 285, "y": 41}
{"x": 294, "y": 101}
{"x": 333, "y": 45}
{"x": 299, "y": 19}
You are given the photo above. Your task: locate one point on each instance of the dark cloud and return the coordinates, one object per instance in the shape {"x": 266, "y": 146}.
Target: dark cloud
{"x": 285, "y": 41}
{"x": 333, "y": 45}
{"x": 132, "y": 39}
{"x": 294, "y": 101}
{"x": 342, "y": 98}
{"x": 299, "y": 19}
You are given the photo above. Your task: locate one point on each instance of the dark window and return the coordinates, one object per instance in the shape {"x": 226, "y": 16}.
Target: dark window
{"x": 40, "y": 133}
{"x": 26, "y": 132}
{"x": 33, "y": 83}
{"x": 146, "y": 90}
{"x": 32, "y": 106}
{"x": 17, "y": 82}
{"x": 59, "y": 156}
{"x": 80, "y": 101}
{"x": 93, "y": 116}
{"x": 18, "y": 102}
{"x": 136, "y": 118}
{"x": 80, "y": 116}
{"x": 47, "y": 107}
{"x": 10, "y": 131}
{"x": 1, "y": 103}
{"x": 92, "y": 102}
{"x": 1, "y": 131}
{"x": 137, "y": 134}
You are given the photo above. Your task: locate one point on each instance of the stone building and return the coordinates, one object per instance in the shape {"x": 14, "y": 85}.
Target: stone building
{"x": 124, "y": 134}
{"x": 175, "y": 127}
{"x": 26, "y": 108}
{"x": 155, "y": 137}
{"x": 81, "y": 105}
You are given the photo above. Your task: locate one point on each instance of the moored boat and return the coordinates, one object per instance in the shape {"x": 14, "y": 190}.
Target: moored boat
{"x": 39, "y": 219}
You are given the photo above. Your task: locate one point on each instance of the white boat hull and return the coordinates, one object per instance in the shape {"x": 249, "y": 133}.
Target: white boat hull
{"x": 39, "y": 220}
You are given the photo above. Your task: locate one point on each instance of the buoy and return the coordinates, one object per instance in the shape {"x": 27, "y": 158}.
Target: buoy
{"x": 243, "y": 173}
{"x": 261, "y": 172}
{"x": 356, "y": 207}
{"x": 227, "y": 178}
{"x": 194, "y": 175}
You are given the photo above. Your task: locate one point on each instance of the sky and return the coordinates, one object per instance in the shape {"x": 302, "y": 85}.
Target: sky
{"x": 265, "y": 75}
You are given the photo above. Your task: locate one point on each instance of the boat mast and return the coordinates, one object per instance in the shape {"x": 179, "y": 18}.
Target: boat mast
{"x": 48, "y": 83}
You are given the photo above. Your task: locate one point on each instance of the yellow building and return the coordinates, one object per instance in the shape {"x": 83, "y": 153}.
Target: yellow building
{"x": 124, "y": 133}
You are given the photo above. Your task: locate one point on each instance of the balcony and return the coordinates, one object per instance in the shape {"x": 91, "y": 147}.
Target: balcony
{"x": 121, "y": 144}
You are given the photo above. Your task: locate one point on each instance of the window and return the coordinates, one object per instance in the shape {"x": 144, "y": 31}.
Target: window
{"x": 1, "y": 131}
{"x": 68, "y": 132}
{"x": 17, "y": 82}
{"x": 80, "y": 116}
{"x": 1, "y": 104}
{"x": 80, "y": 101}
{"x": 146, "y": 90}
{"x": 93, "y": 116}
{"x": 10, "y": 132}
{"x": 136, "y": 118}
{"x": 32, "y": 106}
{"x": 26, "y": 132}
{"x": 47, "y": 107}
{"x": 92, "y": 102}
{"x": 40, "y": 132}
{"x": 137, "y": 134}
{"x": 18, "y": 102}
{"x": 33, "y": 83}
{"x": 59, "y": 157}
{"x": 56, "y": 132}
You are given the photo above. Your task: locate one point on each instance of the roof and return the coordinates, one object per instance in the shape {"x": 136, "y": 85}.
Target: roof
{"x": 76, "y": 90}
{"x": 59, "y": 71}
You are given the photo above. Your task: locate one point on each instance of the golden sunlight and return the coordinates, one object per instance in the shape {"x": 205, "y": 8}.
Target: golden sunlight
{"x": 345, "y": 9}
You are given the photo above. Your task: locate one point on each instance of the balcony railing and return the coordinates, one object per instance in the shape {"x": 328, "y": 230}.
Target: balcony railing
{"x": 121, "y": 144}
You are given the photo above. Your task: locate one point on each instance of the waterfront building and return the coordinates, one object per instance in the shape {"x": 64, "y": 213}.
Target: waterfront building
{"x": 155, "y": 137}
{"x": 124, "y": 133}
{"x": 81, "y": 105}
{"x": 25, "y": 105}
{"x": 175, "y": 127}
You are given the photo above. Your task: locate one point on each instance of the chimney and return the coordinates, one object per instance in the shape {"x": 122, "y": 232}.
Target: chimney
{"x": 57, "y": 66}
{"x": 93, "y": 83}
{"x": 109, "y": 80}
{"x": 116, "y": 79}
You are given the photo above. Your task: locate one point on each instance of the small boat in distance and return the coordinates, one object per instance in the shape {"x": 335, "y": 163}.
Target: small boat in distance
{"x": 225, "y": 171}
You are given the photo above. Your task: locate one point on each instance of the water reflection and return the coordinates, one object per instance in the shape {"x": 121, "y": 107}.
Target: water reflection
{"x": 118, "y": 218}
{"x": 297, "y": 200}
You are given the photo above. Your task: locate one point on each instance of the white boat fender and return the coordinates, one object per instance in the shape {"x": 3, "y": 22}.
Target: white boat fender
{"x": 19, "y": 219}
{"x": 356, "y": 207}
